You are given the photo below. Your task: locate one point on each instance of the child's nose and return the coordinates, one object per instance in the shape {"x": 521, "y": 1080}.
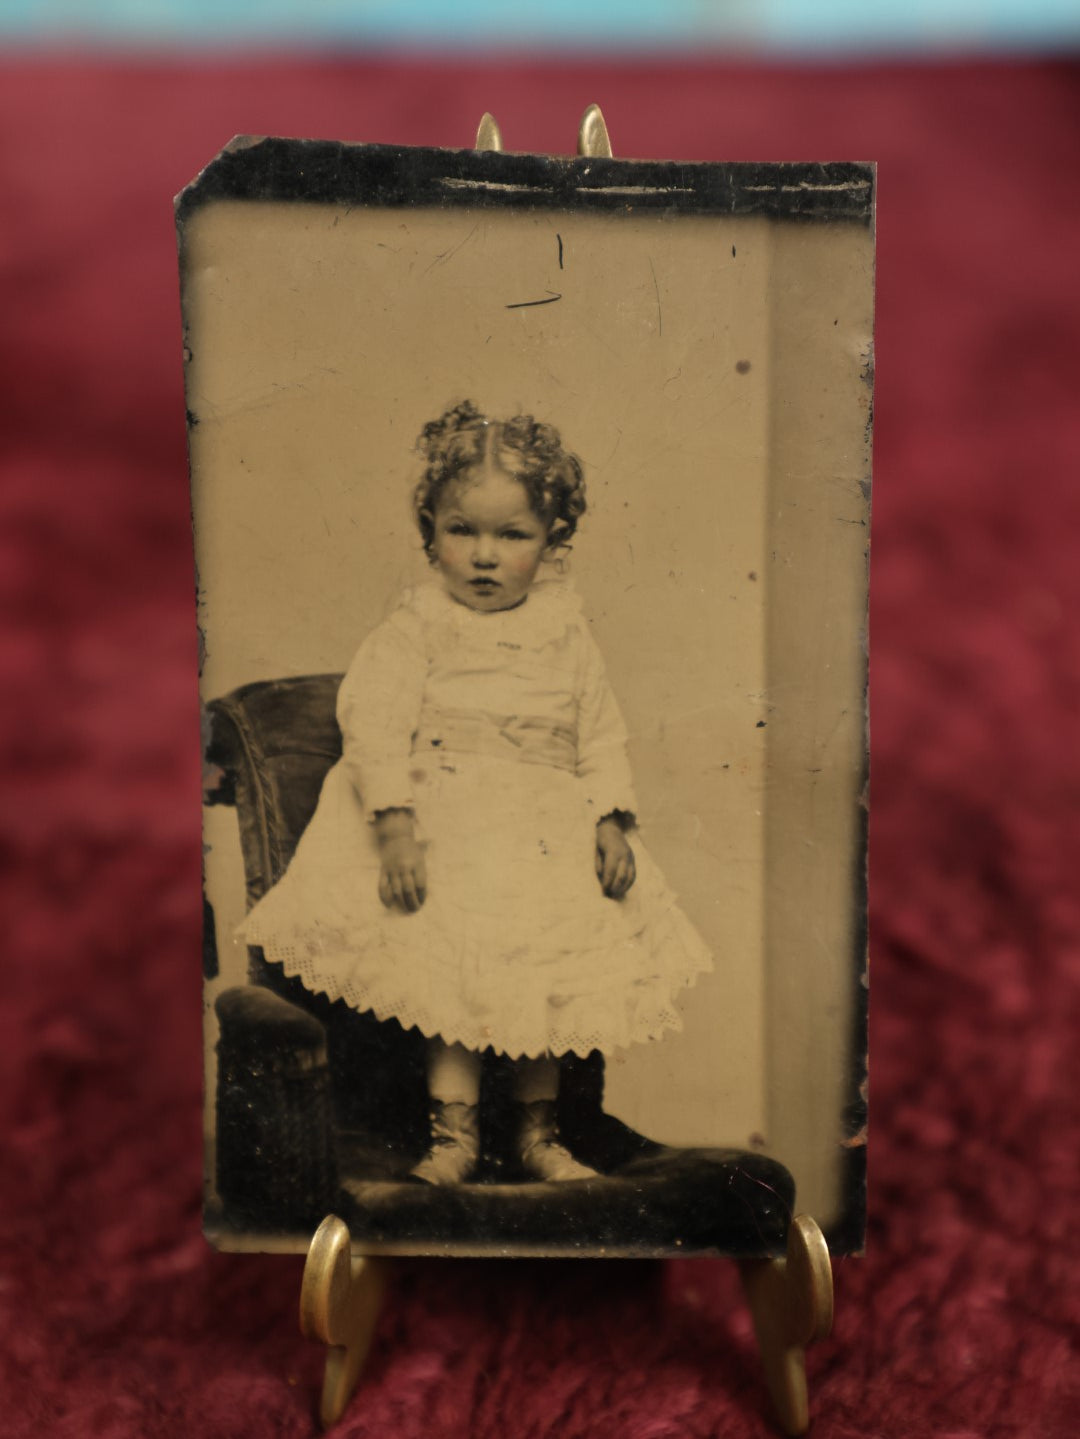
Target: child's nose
{"x": 484, "y": 552}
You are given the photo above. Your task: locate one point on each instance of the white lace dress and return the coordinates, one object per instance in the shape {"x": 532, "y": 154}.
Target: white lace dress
{"x": 500, "y": 731}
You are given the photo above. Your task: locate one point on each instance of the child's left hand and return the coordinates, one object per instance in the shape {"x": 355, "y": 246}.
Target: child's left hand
{"x": 614, "y": 859}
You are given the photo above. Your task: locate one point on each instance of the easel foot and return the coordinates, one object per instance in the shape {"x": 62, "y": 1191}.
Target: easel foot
{"x": 340, "y": 1297}
{"x": 791, "y": 1301}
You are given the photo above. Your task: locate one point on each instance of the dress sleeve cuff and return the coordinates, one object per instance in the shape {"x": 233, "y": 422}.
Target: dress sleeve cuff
{"x": 384, "y": 787}
{"x": 607, "y": 803}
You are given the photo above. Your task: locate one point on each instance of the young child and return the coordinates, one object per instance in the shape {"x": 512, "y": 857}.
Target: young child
{"x": 468, "y": 869}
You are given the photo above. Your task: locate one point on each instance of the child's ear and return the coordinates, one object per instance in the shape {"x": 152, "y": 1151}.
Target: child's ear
{"x": 425, "y": 519}
{"x": 556, "y": 539}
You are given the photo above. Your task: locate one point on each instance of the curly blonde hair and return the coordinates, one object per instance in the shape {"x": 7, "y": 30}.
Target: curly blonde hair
{"x": 532, "y": 453}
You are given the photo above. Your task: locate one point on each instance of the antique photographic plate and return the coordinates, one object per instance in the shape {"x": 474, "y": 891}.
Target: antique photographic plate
{"x": 701, "y": 337}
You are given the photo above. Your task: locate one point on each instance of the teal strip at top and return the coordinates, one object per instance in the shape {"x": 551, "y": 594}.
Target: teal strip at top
{"x": 616, "y": 26}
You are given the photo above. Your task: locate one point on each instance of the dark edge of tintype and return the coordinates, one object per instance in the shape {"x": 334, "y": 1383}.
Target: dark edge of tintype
{"x": 331, "y": 172}
{"x": 847, "y": 1233}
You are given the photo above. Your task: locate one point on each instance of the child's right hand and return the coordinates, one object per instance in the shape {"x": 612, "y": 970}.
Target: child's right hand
{"x": 403, "y": 878}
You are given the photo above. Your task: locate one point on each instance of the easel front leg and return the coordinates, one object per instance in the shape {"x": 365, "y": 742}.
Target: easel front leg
{"x": 340, "y": 1298}
{"x": 791, "y": 1301}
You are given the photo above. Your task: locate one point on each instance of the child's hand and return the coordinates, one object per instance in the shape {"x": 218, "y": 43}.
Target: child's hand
{"x": 614, "y": 859}
{"x": 403, "y": 879}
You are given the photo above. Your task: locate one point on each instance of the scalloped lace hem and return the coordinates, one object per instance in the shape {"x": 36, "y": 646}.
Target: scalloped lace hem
{"x": 636, "y": 1011}
{"x": 580, "y": 1040}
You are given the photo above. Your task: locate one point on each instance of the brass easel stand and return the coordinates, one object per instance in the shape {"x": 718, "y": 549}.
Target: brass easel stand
{"x": 791, "y": 1299}
{"x": 340, "y": 1298}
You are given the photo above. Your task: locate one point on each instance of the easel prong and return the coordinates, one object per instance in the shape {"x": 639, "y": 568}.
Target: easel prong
{"x": 593, "y": 136}
{"x": 791, "y": 1301}
{"x": 488, "y": 134}
{"x": 340, "y": 1298}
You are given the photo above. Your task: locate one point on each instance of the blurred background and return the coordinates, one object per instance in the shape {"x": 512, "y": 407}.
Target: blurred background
{"x": 604, "y": 28}
{"x": 963, "y": 1318}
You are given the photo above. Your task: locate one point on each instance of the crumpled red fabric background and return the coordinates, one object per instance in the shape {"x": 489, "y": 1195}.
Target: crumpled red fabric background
{"x": 962, "y": 1321}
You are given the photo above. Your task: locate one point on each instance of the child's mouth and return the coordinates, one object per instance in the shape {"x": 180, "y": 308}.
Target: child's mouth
{"x": 484, "y": 584}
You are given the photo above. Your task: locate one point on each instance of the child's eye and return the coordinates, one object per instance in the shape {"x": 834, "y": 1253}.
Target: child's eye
{"x": 458, "y": 527}
{"x": 515, "y": 535}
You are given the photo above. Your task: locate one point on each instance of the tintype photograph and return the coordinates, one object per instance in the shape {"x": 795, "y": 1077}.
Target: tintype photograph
{"x": 531, "y": 502}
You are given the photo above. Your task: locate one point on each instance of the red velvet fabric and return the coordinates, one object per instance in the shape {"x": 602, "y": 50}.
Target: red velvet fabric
{"x": 962, "y": 1321}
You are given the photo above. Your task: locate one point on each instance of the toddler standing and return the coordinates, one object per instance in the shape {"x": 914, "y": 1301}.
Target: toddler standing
{"x": 469, "y": 868}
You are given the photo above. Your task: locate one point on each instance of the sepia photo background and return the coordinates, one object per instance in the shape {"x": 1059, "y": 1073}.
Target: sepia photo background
{"x": 711, "y": 374}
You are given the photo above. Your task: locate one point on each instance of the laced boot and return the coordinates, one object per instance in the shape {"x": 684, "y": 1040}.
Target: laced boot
{"x": 454, "y": 1147}
{"x": 542, "y": 1155}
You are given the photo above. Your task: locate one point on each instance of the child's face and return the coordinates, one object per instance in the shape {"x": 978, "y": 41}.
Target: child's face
{"x": 488, "y": 542}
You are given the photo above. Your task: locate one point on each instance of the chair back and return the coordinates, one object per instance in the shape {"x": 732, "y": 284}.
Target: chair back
{"x": 268, "y": 751}
{"x": 269, "y": 747}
